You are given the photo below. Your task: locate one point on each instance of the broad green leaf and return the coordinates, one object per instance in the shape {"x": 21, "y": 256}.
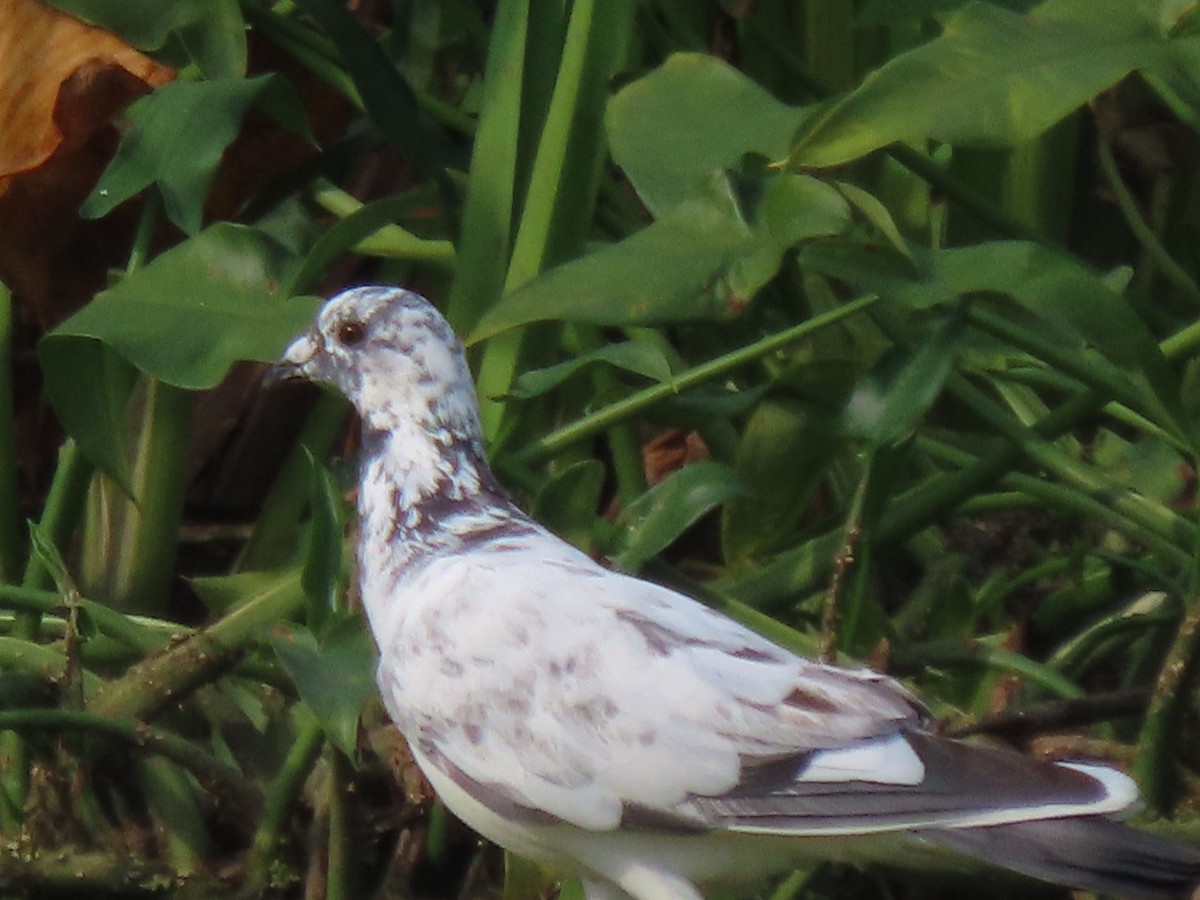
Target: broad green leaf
{"x": 188, "y": 315}
{"x": 212, "y": 31}
{"x": 692, "y": 115}
{"x": 663, "y": 513}
{"x": 792, "y": 209}
{"x": 993, "y": 78}
{"x": 176, "y": 137}
{"x": 781, "y": 457}
{"x": 675, "y": 269}
{"x": 1150, "y": 466}
{"x": 638, "y": 357}
{"x": 702, "y": 260}
{"x": 334, "y": 676}
{"x": 895, "y": 12}
{"x": 89, "y": 387}
{"x": 902, "y": 386}
{"x": 223, "y": 593}
{"x": 216, "y": 39}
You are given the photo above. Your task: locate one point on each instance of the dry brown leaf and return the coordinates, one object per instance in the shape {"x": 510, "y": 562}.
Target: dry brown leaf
{"x": 60, "y": 80}
{"x": 670, "y": 450}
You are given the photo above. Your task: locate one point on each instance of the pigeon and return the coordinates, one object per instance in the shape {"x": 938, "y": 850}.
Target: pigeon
{"x": 617, "y": 730}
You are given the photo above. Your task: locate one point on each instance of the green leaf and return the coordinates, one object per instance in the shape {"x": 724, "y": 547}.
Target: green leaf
{"x": 389, "y": 99}
{"x": 51, "y": 559}
{"x": 188, "y": 315}
{"x": 871, "y": 209}
{"x": 896, "y": 12}
{"x": 348, "y": 232}
{"x": 224, "y": 593}
{"x": 638, "y": 357}
{"x": 569, "y": 503}
{"x": 902, "y": 386}
{"x": 793, "y": 208}
{"x": 176, "y": 137}
{"x": 663, "y": 513}
{"x": 216, "y": 39}
{"x": 322, "y": 577}
{"x": 211, "y": 32}
{"x": 1077, "y": 302}
{"x": 993, "y": 78}
{"x": 695, "y": 114}
{"x": 1149, "y": 466}
{"x": 672, "y": 270}
{"x": 89, "y": 387}
{"x": 334, "y": 677}
{"x": 485, "y": 240}
{"x": 1060, "y": 289}
{"x": 782, "y": 458}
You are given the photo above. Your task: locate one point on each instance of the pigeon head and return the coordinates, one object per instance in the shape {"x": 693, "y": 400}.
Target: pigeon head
{"x": 394, "y": 356}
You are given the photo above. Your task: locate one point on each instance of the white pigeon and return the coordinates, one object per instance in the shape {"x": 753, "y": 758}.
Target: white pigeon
{"x": 618, "y": 730}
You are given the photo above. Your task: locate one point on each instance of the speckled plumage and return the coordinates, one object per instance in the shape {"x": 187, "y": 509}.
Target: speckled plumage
{"x": 624, "y": 732}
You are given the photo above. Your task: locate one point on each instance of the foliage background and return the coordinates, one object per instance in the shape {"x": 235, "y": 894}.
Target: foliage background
{"x": 873, "y": 323}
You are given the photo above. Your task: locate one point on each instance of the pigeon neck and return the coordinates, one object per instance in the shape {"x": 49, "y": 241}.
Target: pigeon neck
{"x": 414, "y": 468}
{"x": 421, "y": 493}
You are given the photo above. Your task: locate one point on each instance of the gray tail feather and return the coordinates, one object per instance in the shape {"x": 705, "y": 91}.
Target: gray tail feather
{"x": 1088, "y": 852}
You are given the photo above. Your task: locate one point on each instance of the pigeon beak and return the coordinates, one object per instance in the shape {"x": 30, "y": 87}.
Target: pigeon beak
{"x": 296, "y": 362}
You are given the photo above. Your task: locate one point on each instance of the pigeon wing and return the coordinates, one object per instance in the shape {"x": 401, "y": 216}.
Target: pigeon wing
{"x": 548, "y": 683}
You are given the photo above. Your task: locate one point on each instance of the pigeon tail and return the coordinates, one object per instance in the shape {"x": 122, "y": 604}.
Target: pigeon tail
{"x": 1088, "y": 852}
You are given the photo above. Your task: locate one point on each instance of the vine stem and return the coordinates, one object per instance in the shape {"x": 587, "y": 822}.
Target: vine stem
{"x": 606, "y": 418}
{"x": 1153, "y": 765}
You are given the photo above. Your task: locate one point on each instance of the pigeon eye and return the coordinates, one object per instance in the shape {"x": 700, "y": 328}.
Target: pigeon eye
{"x": 351, "y": 333}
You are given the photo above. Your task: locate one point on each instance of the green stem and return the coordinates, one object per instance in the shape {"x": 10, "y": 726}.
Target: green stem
{"x": 390, "y": 241}
{"x": 487, "y": 221}
{"x": 984, "y": 653}
{"x": 1043, "y": 377}
{"x": 1171, "y": 270}
{"x": 1154, "y": 765}
{"x": 149, "y": 524}
{"x": 1148, "y": 518}
{"x": 1059, "y": 497}
{"x": 173, "y": 812}
{"x": 1092, "y": 372}
{"x": 635, "y": 403}
{"x": 280, "y": 802}
{"x": 107, "y": 621}
{"x": 66, "y": 874}
{"x": 849, "y": 611}
{"x": 201, "y": 657}
{"x": 12, "y": 538}
{"x": 60, "y": 517}
{"x": 45, "y": 662}
{"x": 339, "y": 869}
{"x": 624, "y": 447}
